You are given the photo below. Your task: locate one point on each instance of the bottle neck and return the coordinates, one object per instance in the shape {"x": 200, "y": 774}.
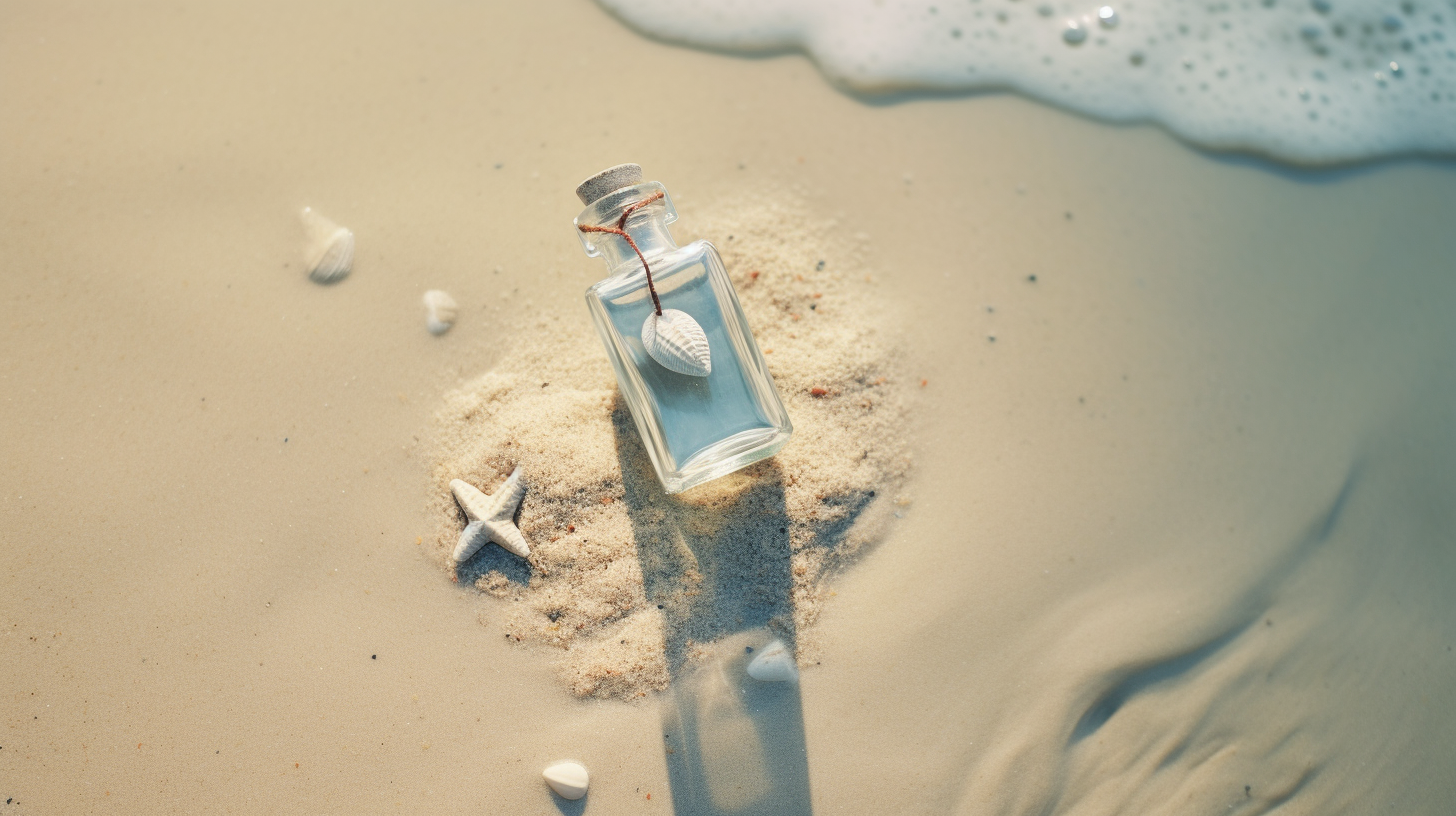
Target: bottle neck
{"x": 651, "y": 211}
{"x": 648, "y": 230}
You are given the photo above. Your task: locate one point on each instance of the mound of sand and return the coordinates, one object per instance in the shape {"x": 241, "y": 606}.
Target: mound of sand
{"x": 630, "y": 583}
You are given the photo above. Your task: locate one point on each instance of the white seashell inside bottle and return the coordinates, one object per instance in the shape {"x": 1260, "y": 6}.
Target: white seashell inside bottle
{"x": 676, "y": 341}
{"x": 328, "y": 251}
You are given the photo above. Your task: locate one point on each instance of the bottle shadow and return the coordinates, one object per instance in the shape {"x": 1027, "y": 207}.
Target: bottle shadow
{"x": 717, "y": 561}
{"x": 492, "y": 558}
{"x": 569, "y": 807}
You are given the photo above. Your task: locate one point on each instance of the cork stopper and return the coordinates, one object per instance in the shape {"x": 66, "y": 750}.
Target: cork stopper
{"x": 608, "y": 181}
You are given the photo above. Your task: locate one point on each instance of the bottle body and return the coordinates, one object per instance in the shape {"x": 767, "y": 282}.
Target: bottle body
{"x": 694, "y": 428}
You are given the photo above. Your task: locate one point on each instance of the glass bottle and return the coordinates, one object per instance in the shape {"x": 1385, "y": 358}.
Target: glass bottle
{"x": 694, "y": 427}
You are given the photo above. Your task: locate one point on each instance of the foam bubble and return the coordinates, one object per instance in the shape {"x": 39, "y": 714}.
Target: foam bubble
{"x": 1307, "y": 81}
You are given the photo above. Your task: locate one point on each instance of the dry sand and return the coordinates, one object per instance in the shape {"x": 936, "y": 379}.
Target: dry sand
{"x": 1181, "y": 538}
{"x": 633, "y": 585}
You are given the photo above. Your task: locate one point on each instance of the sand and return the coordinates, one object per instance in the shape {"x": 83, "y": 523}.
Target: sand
{"x": 1180, "y": 538}
{"x": 631, "y": 584}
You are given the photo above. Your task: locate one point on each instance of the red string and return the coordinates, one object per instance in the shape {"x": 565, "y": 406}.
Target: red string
{"x": 620, "y": 230}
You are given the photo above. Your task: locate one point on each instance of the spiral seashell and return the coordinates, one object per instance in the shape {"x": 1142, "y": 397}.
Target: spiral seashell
{"x": 328, "y": 252}
{"x": 440, "y": 311}
{"x": 676, "y": 341}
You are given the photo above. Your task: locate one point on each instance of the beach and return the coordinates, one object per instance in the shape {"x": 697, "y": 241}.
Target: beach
{"x": 1177, "y": 535}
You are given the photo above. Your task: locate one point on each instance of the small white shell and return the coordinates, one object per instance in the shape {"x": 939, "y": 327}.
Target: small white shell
{"x": 775, "y": 664}
{"x": 440, "y": 311}
{"x": 568, "y": 779}
{"x": 328, "y": 252}
{"x": 676, "y": 341}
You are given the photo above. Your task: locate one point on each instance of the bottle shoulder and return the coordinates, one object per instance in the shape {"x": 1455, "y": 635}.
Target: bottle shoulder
{"x": 686, "y": 259}
{"x": 691, "y": 255}
{"x": 685, "y": 255}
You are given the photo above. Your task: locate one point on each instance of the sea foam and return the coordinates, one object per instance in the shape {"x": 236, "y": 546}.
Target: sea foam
{"x": 1305, "y": 81}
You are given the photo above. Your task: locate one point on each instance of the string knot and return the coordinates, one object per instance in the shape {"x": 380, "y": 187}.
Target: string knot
{"x": 620, "y": 229}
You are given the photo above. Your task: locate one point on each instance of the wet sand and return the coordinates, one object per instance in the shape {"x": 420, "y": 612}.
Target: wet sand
{"x": 1180, "y": 537}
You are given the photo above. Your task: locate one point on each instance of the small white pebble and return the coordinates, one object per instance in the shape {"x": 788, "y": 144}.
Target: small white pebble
{"x": 1074, "y": 33}
{"x": 568, "y": 779}
{"x": 328, "y": 252}
{"x": 440, "y": 311}
{"x": 775, "y": 664}
{"x": 1107, "y": 15}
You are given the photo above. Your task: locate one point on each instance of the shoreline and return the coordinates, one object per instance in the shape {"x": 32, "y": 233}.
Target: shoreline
{"x": 245, "y": 622}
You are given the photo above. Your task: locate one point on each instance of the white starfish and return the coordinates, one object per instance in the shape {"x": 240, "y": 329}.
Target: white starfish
{"x": 490, "y": 517}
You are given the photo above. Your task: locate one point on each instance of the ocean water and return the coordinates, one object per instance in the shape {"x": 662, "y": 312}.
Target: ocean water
{"x": 1304, "y": 81}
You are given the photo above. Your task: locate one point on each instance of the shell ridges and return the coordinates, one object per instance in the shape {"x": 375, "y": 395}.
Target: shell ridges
{"x": 328, "y": 252}
{"x": 491, "y": 517}
{"x": 676, "y": 341}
